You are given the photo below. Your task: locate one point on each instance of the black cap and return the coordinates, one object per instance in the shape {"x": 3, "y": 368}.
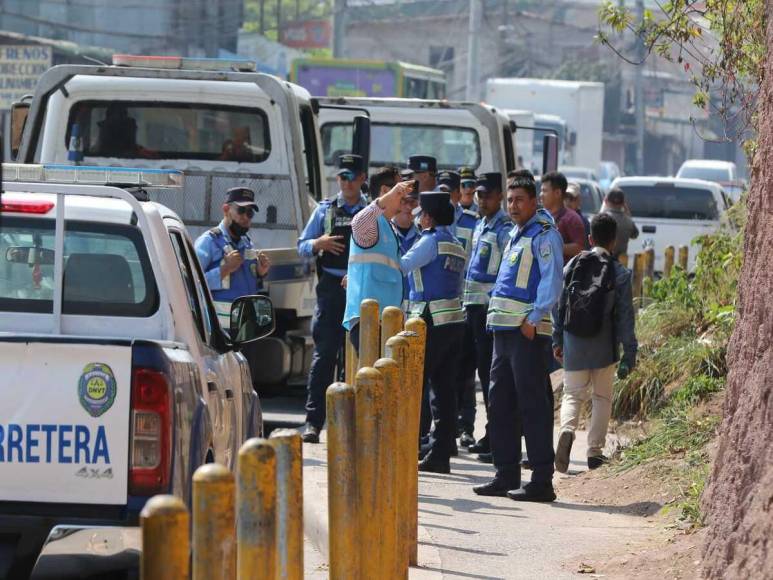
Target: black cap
{"x": 422, "y": 163}
{"x": 406, "y": 174}
{"x": 437, "y": 204}
{"x": 449, "y": 178}
{"x": 349, "y": 162}
{"x": 488, "y": 182}
{"x": 467, "y": 174}
{"x": 241, "y": 196}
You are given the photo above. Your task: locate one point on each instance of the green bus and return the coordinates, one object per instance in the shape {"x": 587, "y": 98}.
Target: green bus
{"x": 333, "y": 77}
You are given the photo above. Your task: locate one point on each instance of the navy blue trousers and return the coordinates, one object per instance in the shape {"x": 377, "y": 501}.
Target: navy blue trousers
{"x": 483, "y": 342}
{"x": 465, "y": 396}
{"x": 328, "y": 334}
{"x": 441, "y": 369}
{"x": 519, "y": 404}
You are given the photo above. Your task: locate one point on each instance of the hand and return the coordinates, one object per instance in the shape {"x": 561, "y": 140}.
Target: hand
{"x": 233, "y": 261}
{"x": 623, "y": 370}
{"x": 264, "y": 263}
{"x": 558, "y": 354}
{"x": 344, "y": 282}
{"x": 528, "y": 330}
{"x": 328, "y": 243}
{"x": 390, "y": 201}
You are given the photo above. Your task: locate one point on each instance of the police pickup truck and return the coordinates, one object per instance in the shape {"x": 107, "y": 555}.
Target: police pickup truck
{"x": 116, "y": 380}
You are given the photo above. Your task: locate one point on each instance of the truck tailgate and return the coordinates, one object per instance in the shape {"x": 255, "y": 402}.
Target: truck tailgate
{"x": 64, "y": 422}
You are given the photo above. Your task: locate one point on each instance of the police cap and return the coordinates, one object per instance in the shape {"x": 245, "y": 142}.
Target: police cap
{"x": 467, "y": 174}
{"x": 350, "y": 163}
{"x": 449, "y": 178}
{"x": 242, "y": 196}
{"x": 488, "y": 182}
{"x": 437, "y": 204}
{"x": 422, "y": 163}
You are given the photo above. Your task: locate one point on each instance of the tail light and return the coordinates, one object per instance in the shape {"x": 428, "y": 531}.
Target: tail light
{"x": 17, "y": 206}
{"x": 151, "y": 433}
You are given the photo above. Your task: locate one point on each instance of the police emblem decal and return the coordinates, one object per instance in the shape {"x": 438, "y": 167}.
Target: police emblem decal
{"x": 485, "y": 249}
{"x": 96, "y": 388}
{"x": 254, "y": 269}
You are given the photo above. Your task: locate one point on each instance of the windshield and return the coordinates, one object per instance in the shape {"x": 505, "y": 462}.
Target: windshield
{"x": 669, "y": 202}
{"x": 106, "y": 269}
{"x": 716, "y": 174}
{"x": 453, "y": 147}
{"x": 156, "y": 130}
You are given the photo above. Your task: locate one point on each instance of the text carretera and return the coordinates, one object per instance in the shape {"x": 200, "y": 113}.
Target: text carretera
{"x": 47, "y": 443}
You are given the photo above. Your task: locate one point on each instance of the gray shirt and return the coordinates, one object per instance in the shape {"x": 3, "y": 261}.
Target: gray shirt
{"x": 626, "y": 229}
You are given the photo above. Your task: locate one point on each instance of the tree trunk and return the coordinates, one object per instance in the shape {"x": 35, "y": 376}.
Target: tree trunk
{"x": 739, "y": 498}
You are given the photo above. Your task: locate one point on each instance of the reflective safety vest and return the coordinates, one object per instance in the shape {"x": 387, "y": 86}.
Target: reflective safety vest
{"x": 516, "y": 285}
{"x": 337, "y": 222}
{"x": 435, "y": 287}
{"x": 466, "y": 220}
{"x": 485, "y": 259}
{"x": 374, "y": 273}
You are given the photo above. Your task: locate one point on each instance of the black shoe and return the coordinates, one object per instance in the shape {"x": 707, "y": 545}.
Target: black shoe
{"x": 539, "y": 492}
{"x": 497, "y": 487}
{"x": 482, "y": 446}
{"x": 486, "y": 458}
{"x": 466, "y": 439}
{"x": 424, "y": 450}
{"x": 310, "y": 434}
{"x": 597, "y": 461}
{"x": 433, "y": 464}
{"x": 424, "y": 440}
{"x": 563, "y": 450}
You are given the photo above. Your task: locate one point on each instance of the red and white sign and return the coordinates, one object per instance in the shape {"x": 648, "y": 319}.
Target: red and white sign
{"x": 307, "y": 34}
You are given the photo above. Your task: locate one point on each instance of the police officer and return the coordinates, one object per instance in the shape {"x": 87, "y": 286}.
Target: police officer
{"x": 422, "y": 168}
{"x": 488, "y": 243}
{"x": 467, "y": 187}
{"x": 404, "y": 225}
{"x": 327, "y": 237}
{"x": 232, "y": 266}
{"x": 528, "y": 285}
{"x": 434, "y": 266}
{"x": 464, "y": 218}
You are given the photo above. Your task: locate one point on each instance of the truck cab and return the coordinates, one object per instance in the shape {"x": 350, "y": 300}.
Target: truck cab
{"x": 118, "y": 381}
{"x": 224, "y": 125}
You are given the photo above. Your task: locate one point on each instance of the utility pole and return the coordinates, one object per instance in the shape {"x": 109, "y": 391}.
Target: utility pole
{"x": 279, "y": 20}
{"x": 339, "y": 28}
{"x": 639, "y": 93}
{"x": 212, "y": 30}
{"x": 473, "y": 35}
{"x": 262, "y": 17}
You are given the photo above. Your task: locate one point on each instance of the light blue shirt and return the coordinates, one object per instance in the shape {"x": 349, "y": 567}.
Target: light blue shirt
{"x": 315, "y": 228}
{"x": 420, "y": 254}
{"x": 550, "y": 258}
{"x": 210, "y": 255}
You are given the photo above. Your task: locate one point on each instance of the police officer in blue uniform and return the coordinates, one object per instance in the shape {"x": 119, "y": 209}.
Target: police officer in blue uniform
{"x": 488, "y": 243}
{"x": 405, "y": 228}
{"x": 327, "y": 238}
{"x": 468, "y": 181}
{"x": 528, "y": 285}
{"x": 422, "y": 168}
{"x": 435, "y": 265}
{"x": 232, "y": 266}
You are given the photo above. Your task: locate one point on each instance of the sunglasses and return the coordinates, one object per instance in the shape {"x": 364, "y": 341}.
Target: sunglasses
{"x": 470, "y": 183}
{"x": 347, "y": 176}
{"x": 242, "y": 210}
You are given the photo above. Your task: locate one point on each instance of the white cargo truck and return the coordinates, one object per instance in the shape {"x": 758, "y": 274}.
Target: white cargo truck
{"x": 223, "y": 127}
{"x": 579, "y": 104}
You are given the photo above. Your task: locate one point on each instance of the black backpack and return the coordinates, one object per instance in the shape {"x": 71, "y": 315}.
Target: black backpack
{"x": 589, "y": 278}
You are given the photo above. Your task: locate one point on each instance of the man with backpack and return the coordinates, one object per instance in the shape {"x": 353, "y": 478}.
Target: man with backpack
{"x": 595, "y": 316}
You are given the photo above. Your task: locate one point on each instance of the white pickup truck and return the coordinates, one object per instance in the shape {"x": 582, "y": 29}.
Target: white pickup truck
{"x": 117, "y": 381}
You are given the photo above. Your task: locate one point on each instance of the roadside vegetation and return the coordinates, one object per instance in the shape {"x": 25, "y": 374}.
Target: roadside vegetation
{"x": 683, "y": 331}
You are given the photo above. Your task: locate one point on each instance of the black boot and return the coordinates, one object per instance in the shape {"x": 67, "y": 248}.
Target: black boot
{"x": 482, "y": 446}
{"x": 538, "y": 492}
{"x": 433, "y": 463}
{"x": 497, "y": 487}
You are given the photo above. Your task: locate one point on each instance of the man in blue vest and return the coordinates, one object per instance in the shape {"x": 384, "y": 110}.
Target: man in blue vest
{"x": 435, "y": 265}
{"x": 488, "y": 243}
{"x": 327, "y": 237}
{"x": 232, "y": 266}
{"x": 528, "y": 285}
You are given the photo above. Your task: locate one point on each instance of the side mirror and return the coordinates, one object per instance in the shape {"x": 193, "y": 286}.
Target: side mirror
{"x": 549, "y": 153}
{"x": 19, "y": 113}
{"x": 513, "y": 126}
{"x": 29, "y": 255}
{"x": 361, "y": 138}
{"x": 252, "y": 318}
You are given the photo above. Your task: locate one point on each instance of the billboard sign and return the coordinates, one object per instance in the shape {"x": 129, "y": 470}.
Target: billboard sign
{"x": 307, "y": 34}
{"x": 337, "y": 81}
{"x": 20, "y": 68}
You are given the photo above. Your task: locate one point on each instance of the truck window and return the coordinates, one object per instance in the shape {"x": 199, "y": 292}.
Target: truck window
{"x": 190, "y": 285}
{"x": 393, "y": 144}
{"x": 669, "y": 202}
{"x": 160, "y": 130}
{"x": 106, "y": 269}
{"x": 507, "y": 135}
{"x": 718, "y": 174}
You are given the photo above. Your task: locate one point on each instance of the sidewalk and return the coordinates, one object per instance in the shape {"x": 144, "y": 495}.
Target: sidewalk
{"x": 462, "y": 535}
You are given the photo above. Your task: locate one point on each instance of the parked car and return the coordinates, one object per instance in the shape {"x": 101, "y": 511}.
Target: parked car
{"x": 724, "y": 173}
{"x": 571, "y": 172}
{"x": 608, "y": 172}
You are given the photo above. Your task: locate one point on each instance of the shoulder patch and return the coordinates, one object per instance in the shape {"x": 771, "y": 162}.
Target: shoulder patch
{"x": 215, "y": 232}
{"x": 545, "y": 251}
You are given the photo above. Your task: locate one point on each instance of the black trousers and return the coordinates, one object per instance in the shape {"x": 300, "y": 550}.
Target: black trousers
{"x": 519, "y": 403}
{"x": 465, "y": 394}
{"x": 328, "y": 334}
{"x": 483, "y": 342}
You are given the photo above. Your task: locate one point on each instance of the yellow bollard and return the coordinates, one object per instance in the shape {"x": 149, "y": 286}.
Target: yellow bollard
{"x": 352, "y": 363}
{"x": 638, "y": 275}
{"x": 342, "y": 483}
{"x": 683, "y": 256}
{"x": 369, "y": 423}
{"x": 397, "y": 348}
{"x": 391, "y": 324}
{"x": 256, "y": 532}
{"x": 289, "y": 502}
{"x": 370, "y": 345}
{"x": 649, "y": 271}
{"x": 669, "y": 261}
{"x": 417, "y": 340}
{"x": 623, "y": 259}
{"x": 165, "y": 548}
{"x": 214, "y": 540}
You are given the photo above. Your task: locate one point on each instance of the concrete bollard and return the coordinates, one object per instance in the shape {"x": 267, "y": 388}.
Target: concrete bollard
{"x": 623, "y": 259}
{"x": 369, "y": 423}
{"x": 683, "y": 257}
{"x": 165, "y": 547}
{"x": 638, "y": 275}
{"x": 370, "y": 344}
{"x": 417, "y": 340}
{"x": 289, "y": 503}
{"x": 214, "y": 523}
{"x": 342, "y": 482}
{"x": 669, "y": 261}
{"x": 392, "y": 320}
{"x": 351, "y": 361}
{"x": 397, "y": 348}
{"x": 256, "y": 532}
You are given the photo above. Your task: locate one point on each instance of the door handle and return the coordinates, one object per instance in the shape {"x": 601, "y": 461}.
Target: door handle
{"x": 229, "y": 394}
{"x": 648, "y": 229}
